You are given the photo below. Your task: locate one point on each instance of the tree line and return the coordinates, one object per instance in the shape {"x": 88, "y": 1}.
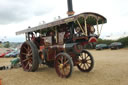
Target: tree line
{"x": 123, "y": 40}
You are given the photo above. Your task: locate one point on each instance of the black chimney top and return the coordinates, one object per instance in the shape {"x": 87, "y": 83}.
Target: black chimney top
{"x": 70, "y": 8}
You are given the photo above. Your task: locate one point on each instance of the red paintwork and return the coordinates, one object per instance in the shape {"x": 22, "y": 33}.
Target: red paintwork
{"x": 92, "y": 39}
{"x": 3, "y": 54}
{"x": 42, "y": 47}
{"x": 78, "y": 38}
{"x": 76, "y": 49}
{"x": 84, "y": 43}
{"x": 67, "y": 35}
{"x": 74, "y": 58}
{"x": 51, "y": 54}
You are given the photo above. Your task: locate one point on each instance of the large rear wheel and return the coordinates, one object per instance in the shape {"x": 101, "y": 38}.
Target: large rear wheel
{"x": 86, "y": 61}
{"x": 63, "y": 65}
{"x": 29, "y": 56}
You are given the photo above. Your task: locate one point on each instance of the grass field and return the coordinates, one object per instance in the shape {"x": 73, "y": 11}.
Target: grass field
{"x": 111, "y": 68}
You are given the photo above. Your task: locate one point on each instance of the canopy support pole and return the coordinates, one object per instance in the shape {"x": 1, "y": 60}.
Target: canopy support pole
{"x": 81, "y": 27}
{"x": 97, "y": 28}
{"x": 101, "y": 27}
{"x": 85, "y": 28}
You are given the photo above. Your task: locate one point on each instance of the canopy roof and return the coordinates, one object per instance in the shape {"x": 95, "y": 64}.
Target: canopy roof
{"x": 91, "y": 18}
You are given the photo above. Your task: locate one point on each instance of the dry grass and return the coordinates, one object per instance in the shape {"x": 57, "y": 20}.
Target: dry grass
{"x": 111, "y": 68}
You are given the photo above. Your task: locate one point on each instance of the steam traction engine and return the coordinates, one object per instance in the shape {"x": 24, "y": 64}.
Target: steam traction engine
{"x": 61, "y": 43}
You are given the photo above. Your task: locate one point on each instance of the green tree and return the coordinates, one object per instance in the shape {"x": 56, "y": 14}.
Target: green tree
{"x": 7, "y": 44}
{"x": 124, "y": 40}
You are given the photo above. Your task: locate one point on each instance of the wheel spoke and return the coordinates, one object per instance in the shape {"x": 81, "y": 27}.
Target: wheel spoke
{"x": 89, "y": 62}
{"x": 67, "y": 69}
{"x": 59, "y": 62}
{"x": 85, "y": 61}
{"x": 30, "y": 67}
{"x": 63, "y": 65}
{"x": 87, "y": 65}
{"x": 23, "y": 53}
{"x": 81, "y": 56}
{"x": 62, "y": 60}
{"x": 63, "y": 72}
{"x": 25, "y": 48}
{"x": 30, "y": 61}
{"x": 27, "y": 65}
{"x": 80, "y": 61}
{"x": 60, "y": 70}
{"x": 26, "y": 60}
{"x": 30, "y": 54}
{"x": 30, "y": 51}
{"x": 84, "y": 66}
{"x": 65, "y": 59}
{"x": 86, "y": 54}
{"x": 28, "y": 47}
{"x": 88, "y": 59}
{"x": 66, "y": 62}
{"x": 80, "y": 64}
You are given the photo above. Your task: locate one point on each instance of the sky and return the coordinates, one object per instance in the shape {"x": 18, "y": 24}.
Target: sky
{"x": 16, "y": 15}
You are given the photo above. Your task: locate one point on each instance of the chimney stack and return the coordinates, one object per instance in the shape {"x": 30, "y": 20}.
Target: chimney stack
{"x": 70, "y": 8}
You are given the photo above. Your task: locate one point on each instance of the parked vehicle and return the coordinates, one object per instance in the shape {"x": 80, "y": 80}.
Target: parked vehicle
{"x": 58, "y": 45}
{"x": 12, "y": 54}
{"x": 3, "y": 54}
{"x": 101, "y": 46}
{"x": 9, "y": 54}
{"x": 15, "y": 54}
{"x": 116, "y": 45}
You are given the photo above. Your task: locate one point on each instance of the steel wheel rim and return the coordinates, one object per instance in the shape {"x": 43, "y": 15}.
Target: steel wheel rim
{"x": 26, "y": 57}
{"x": 62, "y": 66}
{"x": 85, "y": 61}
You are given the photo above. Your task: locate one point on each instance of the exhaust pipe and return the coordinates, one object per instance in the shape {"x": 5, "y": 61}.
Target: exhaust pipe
{"x": 70, "y": 8}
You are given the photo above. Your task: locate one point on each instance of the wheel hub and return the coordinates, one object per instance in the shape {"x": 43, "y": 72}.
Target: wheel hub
{"x": 61, "y": 66}
{"x": 84, "y": 61}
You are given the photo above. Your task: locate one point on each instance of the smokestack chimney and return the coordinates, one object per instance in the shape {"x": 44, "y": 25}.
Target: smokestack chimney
{"x": 70, "y": 8}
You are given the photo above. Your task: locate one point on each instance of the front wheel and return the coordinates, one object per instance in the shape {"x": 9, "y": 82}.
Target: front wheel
{"x": 63, "y": 65}
{"x": 86, "y": 61}
{"x": 29, "y": 56}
